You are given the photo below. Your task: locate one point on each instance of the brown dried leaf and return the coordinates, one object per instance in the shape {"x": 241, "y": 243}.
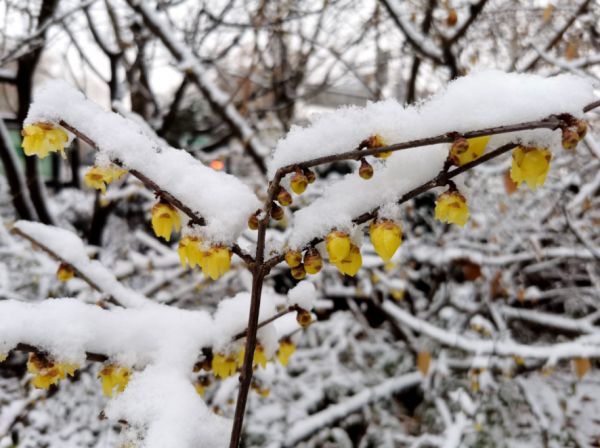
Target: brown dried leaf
{"x": 423, "y": 362}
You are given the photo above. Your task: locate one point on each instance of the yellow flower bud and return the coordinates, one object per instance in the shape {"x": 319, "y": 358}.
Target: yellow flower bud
{"x": 99, "y": 177}
{"x": 284, "y": 197}
{"x": 366, "y": 169}
{"x": 313, "y": 262}
{"x": 304, "y": 318}
{"x": 43, "y": 138}
{"x": 351, "y": 263}
{"x": 65, "y": 272}
{"x": 293, "y": 258}
{"x": 165, "y": 217}
{"x": 286, "y": 350}
{"x": 464, "y": 151}
{"x": 253, "y": 222}
{"x": 190, "y": 252}
{"x": 216, "y": 262}
{"x": 377, "y": 141}
{"x": 582, "y": 128}
{"x": 530, "y": 165}
{"x": 310, "y": 175}
{"x": 113, "y": 376}
{"x": 338, "y": 246}
{"x": 46, "y": 372}
{"x": 386, "y": 237}
{"x": 298, "y": 272}
{"x": 299, "y": 182}
{"x": 451, "y": 207}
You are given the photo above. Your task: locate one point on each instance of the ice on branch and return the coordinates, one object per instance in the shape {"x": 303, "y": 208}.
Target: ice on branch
{"x": 221, "y": 199}
{"x": 483, "y": 100}
{"x": 71, "y": 250}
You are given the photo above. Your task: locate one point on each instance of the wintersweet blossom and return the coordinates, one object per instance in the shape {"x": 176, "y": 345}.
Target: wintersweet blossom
{"x": 224, "y": 366}
{"x": 313, "y": 262}
{"x": 530, "y": 165}
{"x": 216, "y": 262}
{"x": 464, "y": 151}
{"x": 337, "y": 245}
{"x": 299, "y": 182}
{"x": 165, "y": 217}
{"x": 43, "y": 138}
{"x": 351, "y": 263}
{"x": 451, "y": 207}
{"x": 386, "y": 237}
{"x": 99, "y": 177}
{"x": 190, "y": 252}
{"x": 293, "y": 258}
{"x": 286, "y": 350}
{"x": 377, "y": 141}
{"x": 65, "y": 272}
{"x": 46, "y": 372}
{"x": 114, "y": 377}
{"x": 304, "y": 318}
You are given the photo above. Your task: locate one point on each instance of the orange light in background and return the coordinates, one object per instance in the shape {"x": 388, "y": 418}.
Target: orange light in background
{"x": 217, "y": 164}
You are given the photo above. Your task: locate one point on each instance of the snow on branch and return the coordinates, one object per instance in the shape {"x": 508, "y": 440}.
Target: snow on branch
{"x": 585, "y": 347}
{"x": 222, "y": 201}
{"x": 325, "y": 418}
{"x": 65, "y": 246}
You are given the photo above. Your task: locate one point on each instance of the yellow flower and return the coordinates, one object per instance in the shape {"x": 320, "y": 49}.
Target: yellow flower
{"x": 43, "y": 138}
{"x": 46, "y": 372}
{"x": 286, "y": 349}
{"x": 337, "y": 245}
{"x": 304, "y": 318}
{"x": 397, "y": 294}
{"x": 216, "y": 261}
{"x": 165, "y": 217}
{"x": 260, "y": 358}
{"x": 65, "y": 272}
{"x": 201, "y": 384}
{"x": 377, "y": 141}
{"x": 451, "y": 207}
{"x": 112, "y": 377}
{"x": 190, "y": 252}
{"x": 464, "y": 151}
{"x": 386, "y": 237}
{"x": 99, "y": 177}
{"x": 224, "y": 366}
{"x": 313, "y": 262}
{"x": 530, "y": 165}
{"x": 351, "y": 263}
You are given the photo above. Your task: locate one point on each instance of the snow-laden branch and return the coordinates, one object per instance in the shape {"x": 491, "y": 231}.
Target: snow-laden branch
{"x": 580, "y": 348}
{"x": 322, "y": 419}
{"x": 219, "y": 100}
{"x": 222, "y": 201}
{"x": 65, "y": 246}
{"x": 550, "y": 320}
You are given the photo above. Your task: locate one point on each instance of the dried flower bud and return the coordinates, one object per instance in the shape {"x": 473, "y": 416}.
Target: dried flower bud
{"x": 570, "y": 138}
{"x": 458, "y": 148}
{"x": 65, "y": 272}
{"x": 304, "y": 318}
{"x": 452, "y": 17}
{"x": 284, "y": 197}
{"x": 299, "y": 182}
{"x": 310, "y": 175}
{"x": 366, "y": 170}
{"x": 276, "y": 212}
{"x": 293, "y": 258}
{"x": 298, "y": 272}
{"x": 581, "y": 129}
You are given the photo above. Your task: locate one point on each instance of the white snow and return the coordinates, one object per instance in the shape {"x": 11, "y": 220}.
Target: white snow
{"x": 303, "y": 295}
{"x": 221, "y": 199}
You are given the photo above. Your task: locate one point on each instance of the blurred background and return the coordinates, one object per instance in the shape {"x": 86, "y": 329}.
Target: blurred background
{"x": 525, "y": 269}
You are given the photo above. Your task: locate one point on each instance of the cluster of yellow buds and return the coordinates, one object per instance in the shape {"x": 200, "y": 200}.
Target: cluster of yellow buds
{"x": 114, "y": 377}
{"x": 451, "y": 207}
{"x": 65, "y": 272}
{"x": 572, "y": 135}
{"x": 214, "y": 262}
{"x": 165, "y": 218}
{"x": 311, "y": 264}
{"x": 43, "y": 138}
{"x": 386, "y": 237}
{"x": 343, "y": 253}
{"x": 465, "y": 150}
{"x": 46, "y": 372}
{"x": 99, "y": 177}
{"x": 530, "y": 165}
